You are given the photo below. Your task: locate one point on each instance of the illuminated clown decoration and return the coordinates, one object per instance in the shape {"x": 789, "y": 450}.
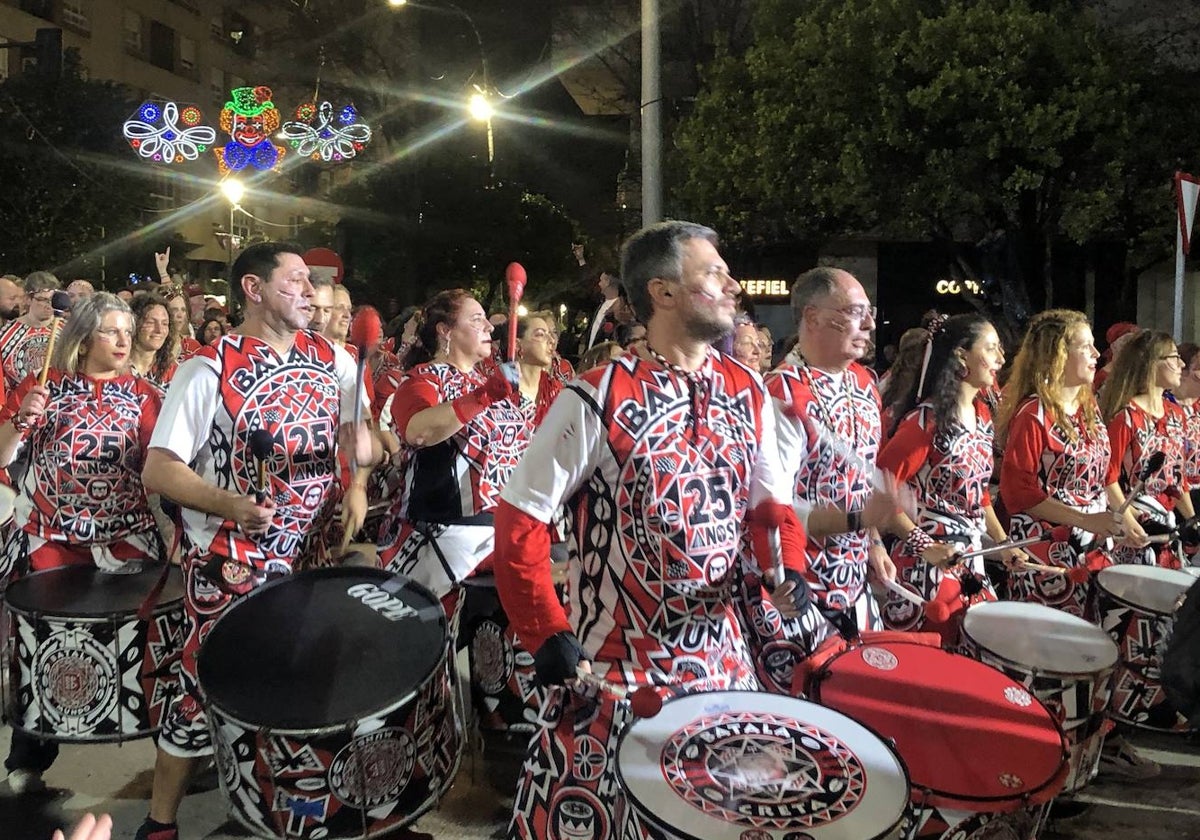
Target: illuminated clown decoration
{"x": 250, "y": 118}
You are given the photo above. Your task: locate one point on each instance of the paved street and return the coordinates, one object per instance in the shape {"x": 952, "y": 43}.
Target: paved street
{"x": 117, "y": 780}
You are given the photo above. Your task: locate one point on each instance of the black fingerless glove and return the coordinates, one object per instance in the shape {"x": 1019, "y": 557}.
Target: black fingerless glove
{"x": 558, "y": 657}
{"x": 802, "y": 595}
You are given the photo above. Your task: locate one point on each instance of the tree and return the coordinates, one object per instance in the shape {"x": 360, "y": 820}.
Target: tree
{"x": 1017, "y": 124}
{"x": 63, "y": 198}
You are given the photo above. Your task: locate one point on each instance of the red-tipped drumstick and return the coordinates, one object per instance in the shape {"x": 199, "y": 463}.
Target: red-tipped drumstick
{"x": 644, "y": 701}
{"x": 366, "y": 334}
{"x": 935, "y": 610}
{"x": 514, "y": 279}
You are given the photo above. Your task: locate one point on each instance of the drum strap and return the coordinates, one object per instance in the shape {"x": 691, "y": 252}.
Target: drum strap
{"x": 151, "y": 599}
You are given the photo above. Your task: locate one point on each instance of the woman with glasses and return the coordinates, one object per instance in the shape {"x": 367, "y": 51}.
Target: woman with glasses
{"x": 81, "y": 500}
{"x": 1142, "y": 422}
{"x": 155, "y": 343}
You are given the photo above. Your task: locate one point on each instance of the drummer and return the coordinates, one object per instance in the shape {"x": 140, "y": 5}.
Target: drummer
{"x": 943, "y": 449}
{"x": 660, "y": 453}
{"x": 81, "y": 500}
{"x": 272, "y": 375}
{"x": 1142, "y": 422}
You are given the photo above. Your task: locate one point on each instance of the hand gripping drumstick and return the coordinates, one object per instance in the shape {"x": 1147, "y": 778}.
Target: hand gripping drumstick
{"x": 514, "y": 279}
{"x": 262, "y": 444}
{"x": 60, "y": 302}
{"x": 644, "y": 701}
{"x": 1153, "y": 465}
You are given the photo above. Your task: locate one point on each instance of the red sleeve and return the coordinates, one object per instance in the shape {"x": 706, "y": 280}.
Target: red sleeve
{"x": 1020, "y": 486}
{"x": 523, "y": 581}
{"x": 907, "y": 450}
{"x": 1120, "y": 439}
{"x": 415, "y": 394}
{"x": 13, "y": 400}
{"x": 792, "y": 539}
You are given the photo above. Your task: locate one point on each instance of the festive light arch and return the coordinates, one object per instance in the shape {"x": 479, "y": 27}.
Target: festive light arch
{"x": 163, "y": 133}
{"x": 318, "y": 135}
{"x": 249, "y": 118}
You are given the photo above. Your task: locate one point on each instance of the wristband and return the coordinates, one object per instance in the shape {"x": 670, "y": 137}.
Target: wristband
{"x": 19, "y": 424}
{"x": 916, "y": 542}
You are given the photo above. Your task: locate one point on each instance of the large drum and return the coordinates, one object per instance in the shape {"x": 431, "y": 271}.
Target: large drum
{"x": 84, "y": 667}
{"x": 1137, "y": 608}
{"x": 1066, "y": 662}
{"x": 980, "y": 749}
{"x": 329, "y": 694}
{"x": 743, "y": 765}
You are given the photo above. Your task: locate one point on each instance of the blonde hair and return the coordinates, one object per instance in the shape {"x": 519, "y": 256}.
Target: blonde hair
{"x": 1133, "y": 370}
{"x": 1038, "y": 372}
{"x": 598, "y": 355}
{"x": 75, "y": 333}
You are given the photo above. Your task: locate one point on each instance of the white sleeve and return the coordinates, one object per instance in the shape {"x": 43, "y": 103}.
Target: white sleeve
{"x": 564, "y": 452}
{"x": 347, "y": 374}
{"x": 791, "y": 441}
{"x": 188, "y": 410}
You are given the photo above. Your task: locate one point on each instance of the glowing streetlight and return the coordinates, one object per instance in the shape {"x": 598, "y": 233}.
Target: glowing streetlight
{"x": 397, "y": 3}
{"x": 480, "y": 108}
{"x": 234, "y": 190}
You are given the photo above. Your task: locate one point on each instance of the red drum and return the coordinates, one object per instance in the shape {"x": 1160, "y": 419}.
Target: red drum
{"x": 980, "y": 749}
{"x": 1137, "y": 608}
{"x": 329, "y": 697}
{"x": 1066, "y": 662}
{"x": 84, "y": 667}
{"x": 744, "y": 765}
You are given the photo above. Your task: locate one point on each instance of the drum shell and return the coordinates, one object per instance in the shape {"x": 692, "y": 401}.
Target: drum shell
{"x": 93, "y": 679}
{"x": 306, "y": 782}
{"x": 937, "y": 812}
{"x": 704, "y": 817}
{"x": 1141, "y": 632}
{"x": 1078, "y": 699}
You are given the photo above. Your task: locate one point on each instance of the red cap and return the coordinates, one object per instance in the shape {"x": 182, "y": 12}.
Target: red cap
{"x": 1119, "y": 329}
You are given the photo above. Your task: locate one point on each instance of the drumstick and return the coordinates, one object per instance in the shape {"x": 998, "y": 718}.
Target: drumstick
{"x": 60, "y": 303}
{"x": 1153, "y": 465}
{"x": 934, "y": 610}
{"x": 644, "y": 701}
{"x": 262, "y": 444}
{"x": 514, "y": 279}
{"x": 906, "y": 594}
{"x": 1060, "y": 533}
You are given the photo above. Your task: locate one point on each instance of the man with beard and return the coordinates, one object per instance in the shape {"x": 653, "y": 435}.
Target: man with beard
{"x": 23, "y": 342}
{"x": 660, "y": 454}
{"x": 200, "y": 456}
{"x": 11, "y": 293}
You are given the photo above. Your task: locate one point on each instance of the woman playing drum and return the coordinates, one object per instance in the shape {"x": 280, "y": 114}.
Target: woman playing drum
{"x": 81, "y": 500}
{"x": 1141, "y": 423}
{"x": 943, "y": 449}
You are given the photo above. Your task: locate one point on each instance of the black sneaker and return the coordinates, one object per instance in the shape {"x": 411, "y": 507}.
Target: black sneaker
{"x": 151, "y": 830}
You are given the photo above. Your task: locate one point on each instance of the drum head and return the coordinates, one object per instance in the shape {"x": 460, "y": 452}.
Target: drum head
{"x": 1040, "y": 637}
{"x": 322, "y": 648}
{"x": 1151, "y": 588}
{"x": 85, "y": 592}
{"x": 967, "y": 732}
{"x": 734, "y": 764}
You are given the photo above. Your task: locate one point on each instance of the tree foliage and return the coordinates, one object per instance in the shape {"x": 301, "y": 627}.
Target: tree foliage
{"x": 1014, "y": 122}
{"x": 65, "y": 193}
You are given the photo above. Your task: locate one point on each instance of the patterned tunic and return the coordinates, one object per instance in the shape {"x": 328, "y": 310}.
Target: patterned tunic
{"x": 1041, "y": 462}
{"x": 22, "y": 351}
{"x": 949, "y": 475}
{"x": 439, "y": 528}
{"x": 815, "y": 408}
{"x": 1135, "y": 436}
{"x": 659, "y": 470}
{"x": 1191, "y": 441}
{"x": 83, "y": 486}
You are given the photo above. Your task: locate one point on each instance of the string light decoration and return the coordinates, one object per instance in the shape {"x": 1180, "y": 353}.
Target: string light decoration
{"x": 317, "y": 134}
{"x": 249, "y": 118}
{"x": 161, "y": 132}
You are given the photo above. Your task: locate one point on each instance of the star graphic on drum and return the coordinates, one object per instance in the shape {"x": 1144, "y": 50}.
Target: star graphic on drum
{"x": 764, "y": 770}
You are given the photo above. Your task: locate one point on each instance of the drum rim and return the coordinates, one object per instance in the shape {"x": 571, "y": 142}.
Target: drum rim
{"x": 644, "y": 812}
{"x": 106, "y": 618}
{"x": 328, "y": 571}
{"x": 1108, "y": 593}
{"x": 1045, "y": 671}
{"x": 934, "y": 796}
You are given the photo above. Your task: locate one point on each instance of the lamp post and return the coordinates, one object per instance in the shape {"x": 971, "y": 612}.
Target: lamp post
{"x": 234, "y": 191}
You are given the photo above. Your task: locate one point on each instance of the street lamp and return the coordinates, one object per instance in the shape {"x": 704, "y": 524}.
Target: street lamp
{"x": 234, "y": 191}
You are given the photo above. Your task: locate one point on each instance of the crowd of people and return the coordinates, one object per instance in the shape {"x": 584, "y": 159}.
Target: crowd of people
{"x": 727, "y": 513}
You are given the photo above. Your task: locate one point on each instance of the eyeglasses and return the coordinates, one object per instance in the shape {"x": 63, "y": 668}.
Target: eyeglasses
{"x": 112, "y": 333}
{"x": 1174, "y": 357}
{"x": 855, "y": 312}
{"x": 46, "y": 299}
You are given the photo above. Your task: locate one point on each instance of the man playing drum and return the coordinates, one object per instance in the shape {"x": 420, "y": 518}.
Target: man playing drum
{"x": 660, "y": 454}
{"x": 273, "y": 377}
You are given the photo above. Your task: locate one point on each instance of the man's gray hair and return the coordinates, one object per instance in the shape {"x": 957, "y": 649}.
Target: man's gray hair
{"x": 656, "y": 251}
{"x": 811, "y": 285}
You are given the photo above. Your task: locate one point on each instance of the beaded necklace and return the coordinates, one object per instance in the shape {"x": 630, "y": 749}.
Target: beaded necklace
{"x": 698, "y": 385}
